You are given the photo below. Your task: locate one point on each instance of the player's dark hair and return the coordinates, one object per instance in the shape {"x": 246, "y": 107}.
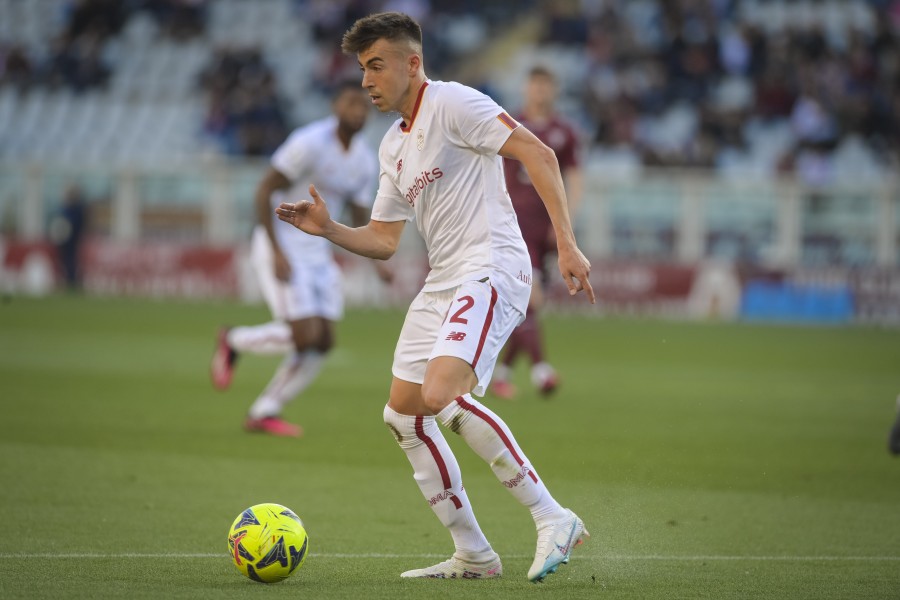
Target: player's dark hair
{"x": 345, "y": 85}
{"x": 541, "y": 71}
{"x": 391, "y": 26}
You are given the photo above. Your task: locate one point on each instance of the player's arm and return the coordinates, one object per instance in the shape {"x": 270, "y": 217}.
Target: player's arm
{"x": 543, "y": 170}
{"x": 271, "y": 182}
{"x": 359, "y": 216}
{"x": 376, "y": 239}
{"x": 573, "y": 177}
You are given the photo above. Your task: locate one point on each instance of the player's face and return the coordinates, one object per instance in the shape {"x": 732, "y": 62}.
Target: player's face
{"x": 540, "y": 91}
{"x": 386, "y": 74}
{"x": 352, "y": 108}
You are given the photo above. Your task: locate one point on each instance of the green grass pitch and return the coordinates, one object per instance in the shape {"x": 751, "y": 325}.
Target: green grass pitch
{"x": 708, "y": 461}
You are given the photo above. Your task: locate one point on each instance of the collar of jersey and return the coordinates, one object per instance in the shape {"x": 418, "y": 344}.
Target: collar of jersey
{"x": 415, "y": 111}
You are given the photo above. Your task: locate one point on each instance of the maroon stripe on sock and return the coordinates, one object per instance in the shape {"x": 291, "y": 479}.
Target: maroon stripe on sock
{"x": 496, "y": 427}
{"x": 487, "y": 326}
{"x": 436, "y": 454}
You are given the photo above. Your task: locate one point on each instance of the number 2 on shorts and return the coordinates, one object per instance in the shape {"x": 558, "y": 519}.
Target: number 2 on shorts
{"x": 468, "y": 302}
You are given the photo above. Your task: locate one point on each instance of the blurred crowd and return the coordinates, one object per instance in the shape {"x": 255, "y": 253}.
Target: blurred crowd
{"x": 77, "y": 57}
{"x": 680, "y": 83}
{"x": 243, "y": 107}
{"x": 245, "y": 112}
{"x": 687, "y": 83}
{"x": 452, "y": 30}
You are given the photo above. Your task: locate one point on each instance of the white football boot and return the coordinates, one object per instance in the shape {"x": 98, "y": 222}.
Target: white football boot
{"x": 554, "y": 545}
{"x": 456, "y": 568}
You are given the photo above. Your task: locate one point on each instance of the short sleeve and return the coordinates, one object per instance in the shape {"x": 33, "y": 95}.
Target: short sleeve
{"x": 481, "y": 123}
{"x": 294, "y": 156}
{"x": 389, "y": 205}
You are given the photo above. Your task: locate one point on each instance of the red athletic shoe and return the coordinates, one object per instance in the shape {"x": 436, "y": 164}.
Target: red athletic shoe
{"x": 503, "y": 390}
{"x": 221, "y": 370}
{"x": 273, "y": 426}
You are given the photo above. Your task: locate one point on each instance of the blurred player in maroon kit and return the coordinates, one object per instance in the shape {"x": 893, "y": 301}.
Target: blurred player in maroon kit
{"x": 539, "y": 116}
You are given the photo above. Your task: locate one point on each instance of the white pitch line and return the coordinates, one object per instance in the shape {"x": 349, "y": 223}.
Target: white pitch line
{"x": 620, "y": 557}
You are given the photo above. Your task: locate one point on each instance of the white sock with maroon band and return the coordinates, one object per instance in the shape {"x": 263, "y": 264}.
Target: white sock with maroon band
{"x": 273, "y": 337}
{"x": 293, "y": 375}
{"x": 437, "y": 473}
{"x": 492, "y": 440}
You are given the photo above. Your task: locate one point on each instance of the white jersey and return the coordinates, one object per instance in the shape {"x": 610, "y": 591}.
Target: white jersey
{"x": 314, "y": 154}
{"x": 442, "y": 169}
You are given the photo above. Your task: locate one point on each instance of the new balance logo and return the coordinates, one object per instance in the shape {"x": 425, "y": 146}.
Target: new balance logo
{"x": 457, "y": 336}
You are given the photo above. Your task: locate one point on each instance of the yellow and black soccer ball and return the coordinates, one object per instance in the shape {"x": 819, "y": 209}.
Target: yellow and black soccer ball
{"x": 268, "y": 542}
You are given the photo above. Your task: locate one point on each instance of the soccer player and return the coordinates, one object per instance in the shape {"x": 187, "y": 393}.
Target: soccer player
{"x": 540, "y": 117}
{"x": 297, "y": 273}
{"x": 441, "y": 166}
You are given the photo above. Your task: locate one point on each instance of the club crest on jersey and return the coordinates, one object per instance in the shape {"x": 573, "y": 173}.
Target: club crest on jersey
{"x": 420, "y": 139}
{"x": 399, "y": 166}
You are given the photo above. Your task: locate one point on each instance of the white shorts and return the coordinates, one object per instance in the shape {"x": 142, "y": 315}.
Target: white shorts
{"x": 471, "y": 322}
{"x": 314, "y": 290}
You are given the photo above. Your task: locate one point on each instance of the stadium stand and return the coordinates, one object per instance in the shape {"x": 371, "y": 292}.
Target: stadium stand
{"x": 744, "y": 94}
{"x": 740, "y": 87}
{"x": 751, "y": 86}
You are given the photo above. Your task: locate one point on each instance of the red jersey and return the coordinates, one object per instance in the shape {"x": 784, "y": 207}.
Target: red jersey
{"x": 562, "y": 138}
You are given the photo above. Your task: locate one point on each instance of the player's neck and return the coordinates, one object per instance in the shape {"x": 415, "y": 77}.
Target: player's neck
{"x": 537, "y": 114}
{"x": 412, "y": 95}
{"x": 345, "y": 136}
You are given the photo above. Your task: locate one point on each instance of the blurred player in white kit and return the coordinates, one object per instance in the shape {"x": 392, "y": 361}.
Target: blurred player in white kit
{"x": 297, "y": 273}
{"x": 441, "y": 167}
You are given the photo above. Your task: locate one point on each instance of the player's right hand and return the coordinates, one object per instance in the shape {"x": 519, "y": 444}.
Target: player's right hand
{"x": 576, "y": 271}
{"x": 309, "y": 217}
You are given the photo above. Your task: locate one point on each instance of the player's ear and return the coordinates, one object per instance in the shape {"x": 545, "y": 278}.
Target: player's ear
{"x": 414, "y": 62}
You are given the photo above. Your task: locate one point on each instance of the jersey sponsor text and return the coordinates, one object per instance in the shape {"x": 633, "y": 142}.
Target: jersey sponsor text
{"x": 421, "y": 183}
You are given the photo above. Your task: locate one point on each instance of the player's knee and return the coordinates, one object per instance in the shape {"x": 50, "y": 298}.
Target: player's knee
{"x": 436, "y": 397}
{"x": 325, "y": 344}
{"x": 312, "y": 334}
{"x": 324, "y": 339}
{"x": 302, "y": 344}
{"x": 399, "y": 426}
{"x": 301, "y": 337}
{"x": 390, "y": 416}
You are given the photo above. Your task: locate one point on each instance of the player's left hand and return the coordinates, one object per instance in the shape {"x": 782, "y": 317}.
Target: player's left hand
{"x": 576, "y": 270}
{"x": 309, "y": 217}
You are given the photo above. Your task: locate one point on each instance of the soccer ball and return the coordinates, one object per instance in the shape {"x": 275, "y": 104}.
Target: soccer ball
{"x": 267, "y": 542}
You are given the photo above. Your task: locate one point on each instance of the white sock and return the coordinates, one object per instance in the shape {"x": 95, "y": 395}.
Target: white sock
{"x": 293, "y": 375}
{"x": 273, "y": 337}
{"x": 437, "y": 473}
{"x": 492, "y": 440}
